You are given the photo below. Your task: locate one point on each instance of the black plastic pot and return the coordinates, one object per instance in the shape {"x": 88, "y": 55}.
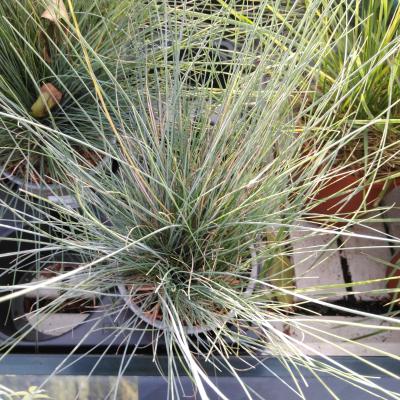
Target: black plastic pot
{"x": 97, "y": 328}
{"x": 54, "y": 192}
{"x": 111, "y": 325}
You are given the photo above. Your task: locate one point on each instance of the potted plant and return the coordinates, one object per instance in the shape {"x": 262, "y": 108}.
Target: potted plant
{"x": 48, "y": 312}
{"x": 39, "y": 314}
{"x": 189, "y": 201}
{"x": 146, "y": 300}
{"x": 48, "y": 88}
{"x": 58, "y": 309}
{"x": 356, "y": 85}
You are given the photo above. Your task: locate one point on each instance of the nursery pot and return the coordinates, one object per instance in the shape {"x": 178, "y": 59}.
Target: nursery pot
{"x": 34, "y": 325}
{"x": 342, "y": 196}
{"x": 76, "y": 326}
{"x": 55, "y": 192}
{"x": 191, "y": 330}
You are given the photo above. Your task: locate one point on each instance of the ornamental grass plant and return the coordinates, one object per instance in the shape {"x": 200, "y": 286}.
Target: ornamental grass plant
{"x": 211, "y": 180}
{"x": 47, "y": 86}
{"x": 357, "y": 82}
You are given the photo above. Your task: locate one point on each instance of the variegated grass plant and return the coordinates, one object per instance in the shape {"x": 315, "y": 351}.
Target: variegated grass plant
{"x": 357, "y": 81}
{"x": 47, "y": 72}
{"x": 207, "y": 186}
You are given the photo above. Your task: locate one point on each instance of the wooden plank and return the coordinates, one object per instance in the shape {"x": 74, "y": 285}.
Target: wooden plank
{"x": 316, "y": 262}
{"x": 329, "y": 336}
{"x": 366, "y": 258}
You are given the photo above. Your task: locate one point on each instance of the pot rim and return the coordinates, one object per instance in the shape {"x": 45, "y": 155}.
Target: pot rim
{"x": 53, "y": 187}
{"x": 21, "y": 322}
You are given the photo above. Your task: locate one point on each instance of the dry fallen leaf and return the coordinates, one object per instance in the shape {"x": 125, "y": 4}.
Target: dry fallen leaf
{"x": 55, "y": 11}
{"x": 49, "y": 97}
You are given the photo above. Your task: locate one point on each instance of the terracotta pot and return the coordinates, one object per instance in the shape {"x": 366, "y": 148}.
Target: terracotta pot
{"x": 394, "y": 283}
{"x": 340, "y": 200}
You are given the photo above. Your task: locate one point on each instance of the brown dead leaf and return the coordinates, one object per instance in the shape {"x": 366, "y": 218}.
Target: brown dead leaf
{"x": 49, "y": 97}
{"x": 55, "y": 11}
